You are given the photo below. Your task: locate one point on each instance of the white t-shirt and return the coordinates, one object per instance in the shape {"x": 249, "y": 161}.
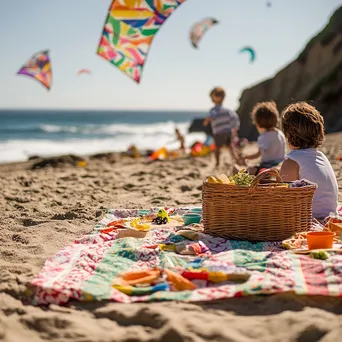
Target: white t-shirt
{"x": 272, "y": 146}
{"x": 315, "y": 167}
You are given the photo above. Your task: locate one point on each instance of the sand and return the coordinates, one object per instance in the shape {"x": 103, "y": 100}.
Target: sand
{"x": 44, "y": 210}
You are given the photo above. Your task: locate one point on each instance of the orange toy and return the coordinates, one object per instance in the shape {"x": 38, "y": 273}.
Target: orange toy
{"x": 159, "y": 154}
{"x": 116, "y": 223}
{"x": 178, "y": 281}
{"x": 320, "y": 240}
{"x": 140, "y": 277}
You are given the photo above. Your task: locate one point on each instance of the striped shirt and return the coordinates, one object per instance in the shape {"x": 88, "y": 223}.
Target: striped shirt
{"x": 223, "y": 120}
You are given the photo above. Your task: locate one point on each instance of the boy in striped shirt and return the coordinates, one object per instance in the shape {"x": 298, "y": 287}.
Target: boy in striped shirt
{"x": 224, "y": 123}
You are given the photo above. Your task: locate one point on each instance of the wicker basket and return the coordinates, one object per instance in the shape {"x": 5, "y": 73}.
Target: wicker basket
{"x": 260, "y": 212}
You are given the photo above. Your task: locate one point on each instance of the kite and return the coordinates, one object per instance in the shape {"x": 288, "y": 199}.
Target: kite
{"x": 251, "y": 51}
{"x": 39, "y": 67}
{"x": 129, "y": 31}
{"x": 83, "y": 71}
{"x": 199, "y": 29}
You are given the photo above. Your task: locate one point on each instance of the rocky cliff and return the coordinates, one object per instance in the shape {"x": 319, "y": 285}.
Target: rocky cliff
{"x": 316, "y": 75}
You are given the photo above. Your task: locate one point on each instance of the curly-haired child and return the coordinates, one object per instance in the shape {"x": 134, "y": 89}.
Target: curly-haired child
{"x": 303, "y": 126}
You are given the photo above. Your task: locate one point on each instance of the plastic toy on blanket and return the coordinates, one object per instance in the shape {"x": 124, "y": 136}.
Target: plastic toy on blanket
{"x": 142, "y": 222}
{"x": 144, "y": 282}
{"x": 214, "y": 277}
{"x": 185, "y": 248}
{"x": 213, "y": 271}
{"x": 135, "y": 223}
{"x": 298, "y": 243}
{"x": 162, "y": 217}
{"x": 141, "y": 291}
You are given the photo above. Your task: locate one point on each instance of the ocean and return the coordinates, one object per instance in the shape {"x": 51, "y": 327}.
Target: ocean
{"x": 24, "y": 133}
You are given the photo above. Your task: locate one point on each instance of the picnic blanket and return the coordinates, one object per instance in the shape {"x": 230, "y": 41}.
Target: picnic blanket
{"x": 85, "y": 269}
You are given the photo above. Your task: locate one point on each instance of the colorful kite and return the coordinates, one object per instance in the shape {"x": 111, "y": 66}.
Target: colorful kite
{"x": 199, "y": 29}
{"x": 129, "y": 31}
{"x": 83, "y": 71}
{"x": 251, "y": 51}
{"x": 39, "y": 67}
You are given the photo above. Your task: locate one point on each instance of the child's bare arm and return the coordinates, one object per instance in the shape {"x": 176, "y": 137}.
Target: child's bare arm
{"x": 206, "y": 121}
{"x": 253, "y": 156}
{"x": 289, "y": 170}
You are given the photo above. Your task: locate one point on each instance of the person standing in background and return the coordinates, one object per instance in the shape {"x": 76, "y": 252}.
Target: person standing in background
{"x": 180, "y": 139}
{"x": 225, "y": 124}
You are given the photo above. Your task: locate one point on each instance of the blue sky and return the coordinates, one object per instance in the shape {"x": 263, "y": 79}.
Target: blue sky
{"x": 176, "y": 76}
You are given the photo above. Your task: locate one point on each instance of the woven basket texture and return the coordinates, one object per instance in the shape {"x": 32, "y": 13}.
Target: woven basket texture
{"x": 259, "y": 212}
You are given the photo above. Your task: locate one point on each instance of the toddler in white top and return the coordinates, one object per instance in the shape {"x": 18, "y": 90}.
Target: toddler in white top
{"x": 303, "y": 126}
{"x": 271, "y": 141}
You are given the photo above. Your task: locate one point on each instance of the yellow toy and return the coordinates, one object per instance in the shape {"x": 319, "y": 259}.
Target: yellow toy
{"x": 162, "y": 217}
{"x": 143, "y": 227}
{"x": 81, "y": 163}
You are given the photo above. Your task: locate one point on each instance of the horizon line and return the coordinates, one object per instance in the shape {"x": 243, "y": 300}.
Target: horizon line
{"x": 101, "y": 109}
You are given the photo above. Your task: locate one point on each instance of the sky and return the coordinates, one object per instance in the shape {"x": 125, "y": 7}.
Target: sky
{"x": 176, "y": 76}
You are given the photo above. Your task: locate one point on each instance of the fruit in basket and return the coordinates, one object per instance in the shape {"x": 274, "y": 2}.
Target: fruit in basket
{"x": 242, "y": 178}
{"x": 212, "y": 179}
{"x": 223, "y": 179}
{"x": 282, "y": 185}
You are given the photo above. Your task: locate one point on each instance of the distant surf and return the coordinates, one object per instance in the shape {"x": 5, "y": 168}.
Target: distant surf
{"x": 48, "y": 133}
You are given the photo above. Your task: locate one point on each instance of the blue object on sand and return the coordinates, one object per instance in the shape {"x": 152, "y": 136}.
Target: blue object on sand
{"x": 191, "y": 218}
{"x": 197, "y": 210}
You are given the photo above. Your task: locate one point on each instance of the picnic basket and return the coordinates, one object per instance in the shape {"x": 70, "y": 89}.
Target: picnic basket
{"x": 259, "y": 212}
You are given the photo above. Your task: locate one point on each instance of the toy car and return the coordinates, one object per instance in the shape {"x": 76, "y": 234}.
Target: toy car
{"x": 162, "y": 217}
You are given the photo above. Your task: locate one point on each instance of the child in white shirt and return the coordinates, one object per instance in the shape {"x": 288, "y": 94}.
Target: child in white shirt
{"x": 271, "y": 141}
{"x": 303, "y": 126}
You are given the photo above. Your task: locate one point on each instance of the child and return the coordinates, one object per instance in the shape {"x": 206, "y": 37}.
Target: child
{"x": 181, "y": 139}
{"x": 224, "y": 123}
{"x": 271, "y": 141}
{"x": 303, "y": 126}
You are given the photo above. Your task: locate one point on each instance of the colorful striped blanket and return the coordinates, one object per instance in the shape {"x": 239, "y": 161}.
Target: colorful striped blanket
{"x": 85, "y": 270}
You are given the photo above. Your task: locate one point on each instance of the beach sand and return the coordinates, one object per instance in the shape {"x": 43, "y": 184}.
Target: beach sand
{"x": 45, "y": 210}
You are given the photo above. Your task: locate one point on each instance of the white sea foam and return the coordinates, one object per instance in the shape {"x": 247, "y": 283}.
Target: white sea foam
{"x": 160, "y": 128}
{"x": 20, "y": 150}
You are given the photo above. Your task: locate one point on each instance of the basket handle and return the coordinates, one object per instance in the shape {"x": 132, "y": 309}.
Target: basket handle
{"x": 262, "y": 175}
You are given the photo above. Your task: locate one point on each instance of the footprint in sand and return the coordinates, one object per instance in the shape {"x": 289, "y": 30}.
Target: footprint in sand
{"x": 69, "y": 215}
{"x": 185, "y": 188}
{"x": 17, "y": 199}
{"x": 138, "y": 174}
{"x": 123, "y": 316}
{"x": 193, "y": 175}
{"x": 160, "y": 199}
{"x": 88, "y": 176}
{"x": 20, "y": 239}
{"x": 29, "y": 222}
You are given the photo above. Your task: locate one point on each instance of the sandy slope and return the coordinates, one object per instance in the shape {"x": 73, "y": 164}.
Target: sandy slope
{"x": 44, "y": 210}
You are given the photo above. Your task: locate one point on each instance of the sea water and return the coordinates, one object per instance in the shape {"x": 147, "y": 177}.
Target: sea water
{"x": 51, "y": 132}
